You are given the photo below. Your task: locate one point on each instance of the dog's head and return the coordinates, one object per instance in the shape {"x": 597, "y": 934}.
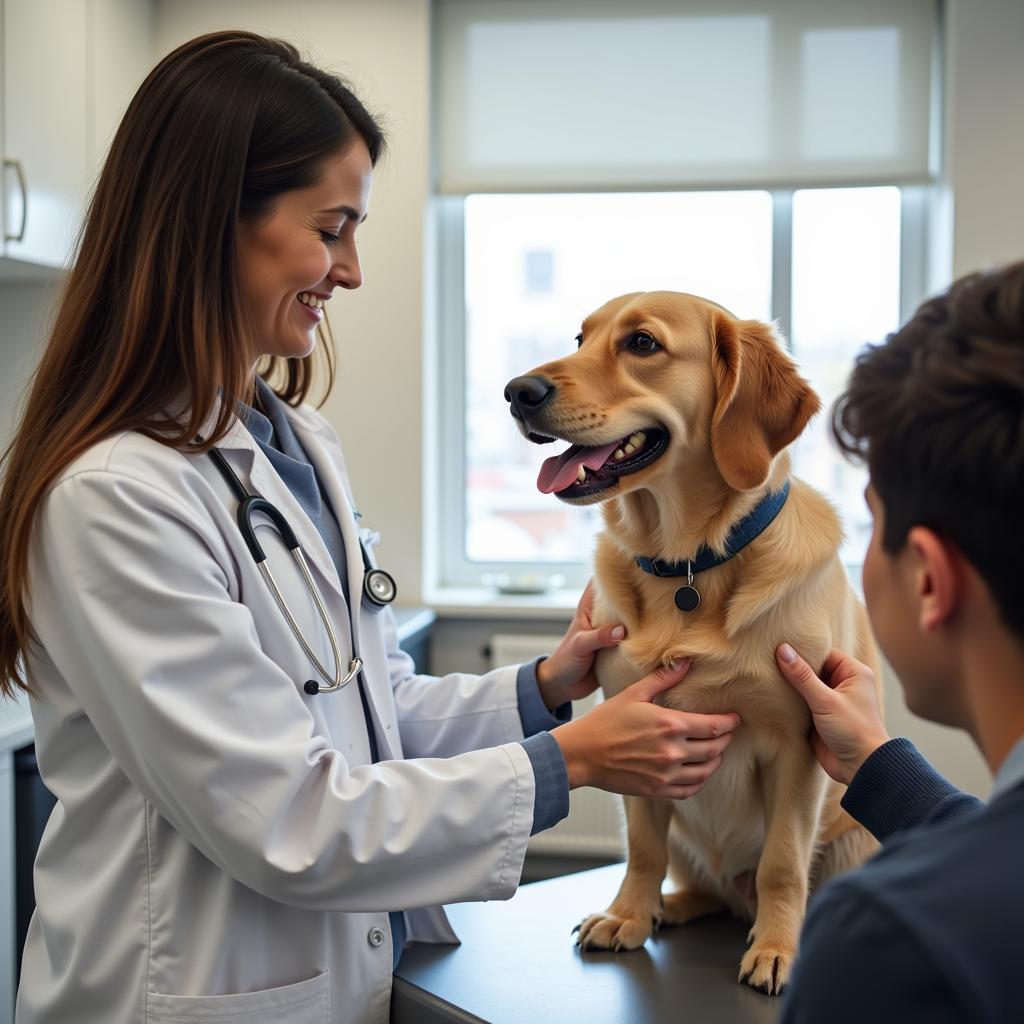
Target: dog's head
{"x": 660, "y": 381}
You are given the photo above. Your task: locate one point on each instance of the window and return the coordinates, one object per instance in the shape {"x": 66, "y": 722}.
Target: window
{"x": 844, "y": 296}
{"x": 792, "y": 186}
{"x": 535, "y": 265}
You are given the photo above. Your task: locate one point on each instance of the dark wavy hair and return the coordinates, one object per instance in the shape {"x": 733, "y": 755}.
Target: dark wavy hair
{"x": 151, "y": 309}
{"x": 937, "y": 414}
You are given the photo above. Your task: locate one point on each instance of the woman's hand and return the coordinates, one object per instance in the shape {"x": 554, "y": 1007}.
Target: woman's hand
{"x": 629, "y": 745}
{"x": 848, "y": 723}
{"x": 568, "y": 674}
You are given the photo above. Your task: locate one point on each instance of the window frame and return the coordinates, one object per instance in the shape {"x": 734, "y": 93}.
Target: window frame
{"x": 453, "y": 569}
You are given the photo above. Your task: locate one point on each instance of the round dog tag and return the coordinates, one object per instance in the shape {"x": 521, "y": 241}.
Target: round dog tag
{"x": 687, "y": 598}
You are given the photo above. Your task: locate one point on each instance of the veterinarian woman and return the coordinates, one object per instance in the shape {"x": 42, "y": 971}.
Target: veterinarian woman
{"x": 230, "y": 844}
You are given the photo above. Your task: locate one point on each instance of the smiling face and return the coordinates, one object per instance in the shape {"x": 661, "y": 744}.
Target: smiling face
{"x": 662, "y": 383}
{"x": 291, "y": 259}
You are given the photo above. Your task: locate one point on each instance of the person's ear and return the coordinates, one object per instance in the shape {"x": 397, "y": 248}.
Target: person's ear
{"x": 761, "y": 402}
{"x": 938, "y": 582}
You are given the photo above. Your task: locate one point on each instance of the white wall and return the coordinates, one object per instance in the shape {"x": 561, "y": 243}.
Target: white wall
{"x": 985, "y": 131}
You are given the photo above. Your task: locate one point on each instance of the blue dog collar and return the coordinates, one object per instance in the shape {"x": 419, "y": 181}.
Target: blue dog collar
{"x": 749, "y": 527}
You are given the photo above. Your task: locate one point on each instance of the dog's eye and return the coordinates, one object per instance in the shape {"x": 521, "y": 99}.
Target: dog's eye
{"x": 642, "y": 343}
{"x": 579, "y": 339}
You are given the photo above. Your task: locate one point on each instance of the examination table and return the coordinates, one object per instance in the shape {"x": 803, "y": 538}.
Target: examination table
{"x": 518, "y": 964}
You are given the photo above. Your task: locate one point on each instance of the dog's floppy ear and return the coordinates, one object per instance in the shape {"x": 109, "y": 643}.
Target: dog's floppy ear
{"x": 761, "y": 402}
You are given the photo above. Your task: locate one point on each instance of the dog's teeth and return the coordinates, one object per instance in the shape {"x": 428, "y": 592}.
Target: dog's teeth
{"x": 619, "y": 453}
{"x": 640, "y": 437}
{"x": 581, "y": 474}
{"x": 629, "y": 449}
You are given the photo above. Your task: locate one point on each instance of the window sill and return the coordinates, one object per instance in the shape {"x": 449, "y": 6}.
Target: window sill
{"x": 487, "y": 603}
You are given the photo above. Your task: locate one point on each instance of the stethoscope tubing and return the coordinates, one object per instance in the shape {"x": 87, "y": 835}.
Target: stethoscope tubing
{"x": 337, "y": 681}
{"x": 248, "y": 506}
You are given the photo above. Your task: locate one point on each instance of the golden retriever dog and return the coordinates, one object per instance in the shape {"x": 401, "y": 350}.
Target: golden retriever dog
{"x": 678, "y": 416}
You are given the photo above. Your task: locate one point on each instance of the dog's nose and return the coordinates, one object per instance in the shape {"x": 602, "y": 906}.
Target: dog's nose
{"x": 527, "y": 394}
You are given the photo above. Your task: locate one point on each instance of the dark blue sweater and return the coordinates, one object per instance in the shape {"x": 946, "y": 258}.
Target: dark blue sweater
{"x": 929, "y": 929}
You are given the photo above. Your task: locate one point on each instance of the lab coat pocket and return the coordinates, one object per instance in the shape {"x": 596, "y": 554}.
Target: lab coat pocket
{"x": 306, "y": 1002}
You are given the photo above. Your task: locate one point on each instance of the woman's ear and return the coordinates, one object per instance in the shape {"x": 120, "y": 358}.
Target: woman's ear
{"x": 761, "y": 402}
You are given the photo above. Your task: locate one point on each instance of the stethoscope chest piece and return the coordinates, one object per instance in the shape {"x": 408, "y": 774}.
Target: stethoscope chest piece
{"x": 379, "y": 587}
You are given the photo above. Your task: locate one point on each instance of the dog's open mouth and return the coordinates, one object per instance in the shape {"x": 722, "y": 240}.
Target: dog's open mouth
{"x": 584, "y": 470}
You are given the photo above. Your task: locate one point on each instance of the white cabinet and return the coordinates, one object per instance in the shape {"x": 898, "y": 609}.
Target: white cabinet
{"x": 45, "y": 127}
{"x": 122, "y": 51}
{"x": 67, "y": 71}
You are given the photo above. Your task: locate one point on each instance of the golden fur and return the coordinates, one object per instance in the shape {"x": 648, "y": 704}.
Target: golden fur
{"x": 767, "y": 826}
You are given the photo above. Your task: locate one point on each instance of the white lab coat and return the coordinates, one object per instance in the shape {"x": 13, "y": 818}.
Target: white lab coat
{"x": 222, "y": 850}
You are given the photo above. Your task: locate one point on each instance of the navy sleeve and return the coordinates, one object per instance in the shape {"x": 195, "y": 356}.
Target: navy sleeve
{"x": 551, "y": 780}
{"x": 859, "y": 963}
{"x": 897, "y": 789}
{"x": 533, "y": 713}
{"x": 551, "y": 799}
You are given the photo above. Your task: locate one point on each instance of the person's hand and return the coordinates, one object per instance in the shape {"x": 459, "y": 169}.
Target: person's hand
{"x": 848, "y": 724}
{"x": 629, "y": 745}
{"x": 568, "y": 674}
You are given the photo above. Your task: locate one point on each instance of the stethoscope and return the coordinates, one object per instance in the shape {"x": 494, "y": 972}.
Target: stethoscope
{"x": 378, "y": 586}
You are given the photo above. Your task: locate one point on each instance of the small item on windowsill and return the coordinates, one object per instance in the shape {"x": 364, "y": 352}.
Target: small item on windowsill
{"x": 523, "y": 584}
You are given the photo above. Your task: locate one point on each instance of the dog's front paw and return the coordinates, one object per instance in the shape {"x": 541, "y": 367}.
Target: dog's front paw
{"x": 607, "y": 931}
{"x": 767, "y": 967}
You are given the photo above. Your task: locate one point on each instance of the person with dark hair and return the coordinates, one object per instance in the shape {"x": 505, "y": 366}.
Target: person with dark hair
{"x": 258, "y": 798}
{"x": 929, "y": 929}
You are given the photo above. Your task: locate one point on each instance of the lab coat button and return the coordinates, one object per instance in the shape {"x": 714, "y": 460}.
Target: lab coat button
{"x": 375, "y": 937}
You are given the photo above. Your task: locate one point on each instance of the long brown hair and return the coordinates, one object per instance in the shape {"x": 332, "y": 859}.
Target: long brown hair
{"x": 151, "y": 310}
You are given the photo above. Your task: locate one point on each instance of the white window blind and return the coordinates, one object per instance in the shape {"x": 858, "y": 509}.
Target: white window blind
{"x": 555, "y": 95}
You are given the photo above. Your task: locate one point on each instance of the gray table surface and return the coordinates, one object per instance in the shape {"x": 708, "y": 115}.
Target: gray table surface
{"x": 518, "y": 963}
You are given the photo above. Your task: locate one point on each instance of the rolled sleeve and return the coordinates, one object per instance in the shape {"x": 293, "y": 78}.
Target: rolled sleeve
{"x": 551, "y": 781}
{"x": 532, "y": 710}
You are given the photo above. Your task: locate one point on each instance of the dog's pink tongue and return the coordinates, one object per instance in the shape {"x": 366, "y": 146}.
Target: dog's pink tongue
{"x": 561, "y": 470}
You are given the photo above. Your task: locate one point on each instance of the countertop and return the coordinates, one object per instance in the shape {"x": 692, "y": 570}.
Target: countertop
{"x": 411, "y": 620}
